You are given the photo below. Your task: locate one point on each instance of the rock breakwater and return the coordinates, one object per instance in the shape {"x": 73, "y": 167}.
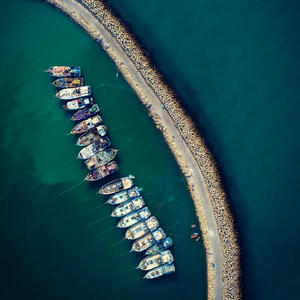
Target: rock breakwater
{"x": 216, "y": 222}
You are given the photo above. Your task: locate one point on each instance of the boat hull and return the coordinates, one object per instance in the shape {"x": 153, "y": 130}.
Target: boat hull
{"x": 135, "y": 217}
{"x": 77, "y": 104}
{"x": 102, "y": 172}
{"x": 85, "y": 113}
{"x": 74, "y": 93}
{"x": 67, "y": 82}
{"x": 139, "y": 230}
{"x": 101, "y": 158}
{"x": 117, "y": 185}
{"x": 148, "y": 240}
{"x": 86, "y": 125}
{"x": 92, "y": 149}
{"x": 92, "y": 136}
{"x": 123, "y": 196}
{"x": 160, "y": 271}
{"x": 162, "y": 245}
{"x": 128, "y": 207}
{"x": 155, "y": 260}
{"x": 64, "y": 71}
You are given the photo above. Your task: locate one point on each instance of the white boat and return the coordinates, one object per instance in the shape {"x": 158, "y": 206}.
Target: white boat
{"x": 160, "y": 271}
{"x": 141, "y": 228}
{"x": 123, "y": 196}
{"x": 117, "y": 185}
{"x": 155, "y": 260}
{"x": 74, "y": 93}
{"x": 135, "y": 217}
{"x": 78, "y": 103}
{"x": 148, "y": 240}
{"x": 128, "y": 207}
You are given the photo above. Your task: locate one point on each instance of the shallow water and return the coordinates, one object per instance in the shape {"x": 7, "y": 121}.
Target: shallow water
{"x": 57, "y": 239}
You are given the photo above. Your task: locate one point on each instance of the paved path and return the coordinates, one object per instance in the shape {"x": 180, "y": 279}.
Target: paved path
{"x": 215, "y": 255}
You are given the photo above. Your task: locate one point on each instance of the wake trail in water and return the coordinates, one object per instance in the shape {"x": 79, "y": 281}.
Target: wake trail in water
{"x": 117, "y": 243}
{"x": 50, "y": 107}
{"x": 161, "y": 205}
{"x": 128, "y": 270}
{"x": 103, "y": 233}
{"x": 125, "y": 253}
{"x": 71, "y": 188}
{"x": 97, "y": 207}
{"x": 95, "y": 222}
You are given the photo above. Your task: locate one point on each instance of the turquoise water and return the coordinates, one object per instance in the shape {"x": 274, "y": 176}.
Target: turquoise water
{"x": 57, "y": 238}
{"x": 240, "y": 81}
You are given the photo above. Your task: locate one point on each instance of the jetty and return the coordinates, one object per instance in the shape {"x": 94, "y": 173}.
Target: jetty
{"x": 188, "y": 147}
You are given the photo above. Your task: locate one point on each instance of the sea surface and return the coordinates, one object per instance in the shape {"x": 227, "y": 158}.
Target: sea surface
{"x": 235, "y": 66}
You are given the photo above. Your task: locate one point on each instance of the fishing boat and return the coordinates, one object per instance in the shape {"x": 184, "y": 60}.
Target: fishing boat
{"x": 141, "y": 228}
{"x": 101, "y": 158}
{"x": 85, "y": 113}
{"x": 101, "y": 172}
{"x": 148, "y": 240}
{"x": 128, "y": 207}
{"x": 64, "y": 71}
{"x": 155, "y": 260}
{"x": 162, "y": 245}
{"x": 92, "y": 149}
{"x": 67, "y": 82}
{"x": 74, "y": 93}
{"x": 117, "y": 185}
{"x": 134, "y": 217}
{"x": 78, "y": 103}
{"x": 92, "y": 136}
{"x": 123, "y": 196}
{"x": 86, "y": 125}
{"x": 160, "y": 271}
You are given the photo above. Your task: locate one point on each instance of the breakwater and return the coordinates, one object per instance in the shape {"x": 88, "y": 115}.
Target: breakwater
{"x": 179, "y": 131}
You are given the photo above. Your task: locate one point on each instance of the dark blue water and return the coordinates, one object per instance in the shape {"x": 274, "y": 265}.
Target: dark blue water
{"x": 235, "y": 65}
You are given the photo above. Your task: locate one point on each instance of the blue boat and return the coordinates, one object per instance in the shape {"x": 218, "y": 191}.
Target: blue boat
{"x": 160, "y": 271}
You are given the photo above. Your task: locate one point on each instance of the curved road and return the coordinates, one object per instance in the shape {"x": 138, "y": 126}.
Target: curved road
{"x": 196, "y": 177}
